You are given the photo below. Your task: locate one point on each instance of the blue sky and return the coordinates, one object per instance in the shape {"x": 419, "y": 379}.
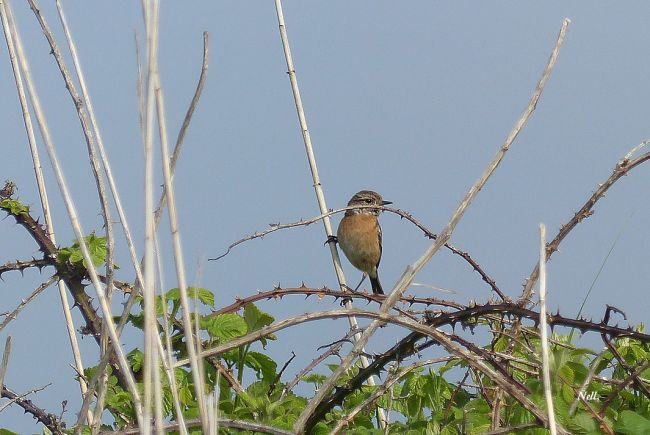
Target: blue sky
{"x": 411, "y": 100}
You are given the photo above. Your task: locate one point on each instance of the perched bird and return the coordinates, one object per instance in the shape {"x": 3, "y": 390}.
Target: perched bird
{"x": 359, "y": 235}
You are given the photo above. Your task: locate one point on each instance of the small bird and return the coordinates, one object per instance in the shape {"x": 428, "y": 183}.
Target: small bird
{"x": 359, "y": 235}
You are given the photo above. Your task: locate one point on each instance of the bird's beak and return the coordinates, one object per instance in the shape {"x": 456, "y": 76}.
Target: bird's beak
{"x": 386, "y": 202}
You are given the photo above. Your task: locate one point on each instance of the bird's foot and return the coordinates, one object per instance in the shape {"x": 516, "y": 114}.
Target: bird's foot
{"x": 331, "y": 239}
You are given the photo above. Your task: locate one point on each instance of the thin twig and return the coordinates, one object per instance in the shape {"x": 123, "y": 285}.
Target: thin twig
{"x": 278, "y": 377}
{"x": 620, "y": 387}
{"x": 621, "y": 168}
{"x": 11, "y": 316}
{"x": 408, "y": 216}
{"x": 186, "y": 123}
{"x": 21, "y": 266}
{"x": 333, "y": 349}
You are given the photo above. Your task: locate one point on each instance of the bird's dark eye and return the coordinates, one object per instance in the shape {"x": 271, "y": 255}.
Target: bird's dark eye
{"x": 368, "y": 201}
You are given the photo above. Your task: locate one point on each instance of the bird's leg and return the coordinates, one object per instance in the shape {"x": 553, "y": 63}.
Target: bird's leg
{"x": 363, "y": 278}
{"x": 331, "y": 239}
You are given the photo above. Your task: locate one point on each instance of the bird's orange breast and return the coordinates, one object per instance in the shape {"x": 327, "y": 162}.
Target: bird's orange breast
{"x": 358, "y": 237}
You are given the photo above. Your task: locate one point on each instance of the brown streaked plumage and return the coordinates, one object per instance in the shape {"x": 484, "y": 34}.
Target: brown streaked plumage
{"x": 359, "y": 235}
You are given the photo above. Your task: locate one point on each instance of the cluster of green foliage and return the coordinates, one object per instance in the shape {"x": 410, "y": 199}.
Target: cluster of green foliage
{"x": 425, "y": 400}
{"x": 96, "y": 247}
{"x": 14, "y": 206}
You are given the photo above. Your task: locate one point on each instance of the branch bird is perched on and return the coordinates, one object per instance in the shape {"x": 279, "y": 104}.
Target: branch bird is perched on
{"x": 359, "y": 235}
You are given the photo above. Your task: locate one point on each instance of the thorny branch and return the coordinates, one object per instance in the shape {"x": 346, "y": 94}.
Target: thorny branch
{"x": 51, "y": 421}
{"x": 279, "y": 293}
{"x": 622, "y": 168}
{"x": 21, "y": 266}
{"x": 273, "y": 227}
{"x": 74, "y": 278}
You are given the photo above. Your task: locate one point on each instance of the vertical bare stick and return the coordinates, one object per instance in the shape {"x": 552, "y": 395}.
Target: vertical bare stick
{"x": 90, "y": 142}
{"x": 444, "y": 235}
{"x": 13, "y": 45}
{"x": 320, "y": 196}
{"x": 169, "y": 367}
{"x": 543, "y": 329}
{"x": 100, "y": 144}
{"x": 180, "y": 264}
{"x": 151, "y": 24}
{"x": 72, "y": 213}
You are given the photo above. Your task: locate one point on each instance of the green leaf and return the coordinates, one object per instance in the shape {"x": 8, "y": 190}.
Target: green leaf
{"x": 205, "y": 296}
{"x": 263, "y": 365}
{"x": 96, "y": 249}
{"x": 314, "y": 378}
{"x": 630, "y": 422}
{"x": 582, "y": 422}
{"x": 135, "y": 359}
{"x": 7, "y": 431}
{"x": 14, "y": 207}
{"x": 224, "y": 327}
{"x": 255, "y": 318}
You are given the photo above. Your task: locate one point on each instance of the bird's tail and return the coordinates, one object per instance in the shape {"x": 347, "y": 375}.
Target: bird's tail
{"x": 376, "y": 285}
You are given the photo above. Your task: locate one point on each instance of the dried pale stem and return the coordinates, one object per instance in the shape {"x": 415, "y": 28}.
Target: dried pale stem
{"x": 110, "y": 242}
{"x": 180, "y": 268}
{"x": 86, "y": 128}
{"x": 169, "y": 366}
{"x": 79, "y": 234}
{"x": 16, "y": 51}
{"x": 5, "y": 361}
{"x": 318, "y": 189}
{"x": 543, "y": 327}
{"x": 301, "y": 424}
{"x": 150, "y": 9}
